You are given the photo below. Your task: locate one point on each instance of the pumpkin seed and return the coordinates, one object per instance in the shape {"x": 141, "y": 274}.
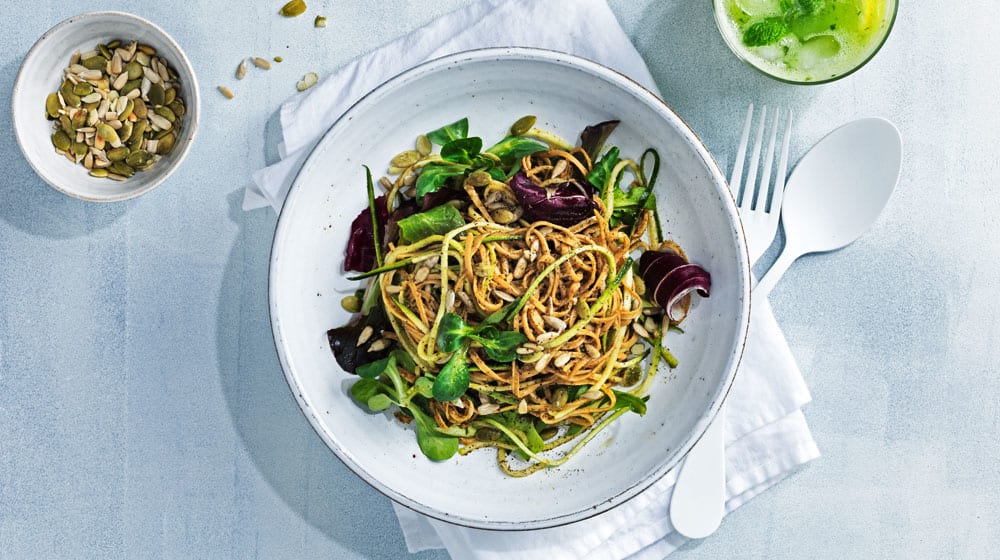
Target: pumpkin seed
{"x": 135, "y": 142}
{"x": 101, "y": 172}
{"x": 61, "y": 140}
{"x": 118, "y": 154}
{"x": 139, "y": 108}
{"x": 166, "y": 113}
{"x": 52, "y": 106}
{"x": 156, "y": 94}
{"x": 134, "y": 70}
{"x": 405, "y": 159}
{"x": 94, "y": 63}
{"x": 131, "y": 85}
{"x": 169, "y": 95}
{"x": 178, "y": 108}
{"x": 522, "y": 125}
{"x": 423, "y": 145}
{"x": 351, "y": 304}
{"x": 126, "y": 112}
{"x": 83, "y": 89}
{"x": 165, "y": 145}
{"x": 115, "y": 44}
{"x": 71, "y": 99}
{"x": 109, "y": 134}
{"x": 79, "y": 148}
{"x": 79, "y": 119}
{"x": 278, "y": 59}
{"x": 122, "y": 168}
{"x": 320, "y": 21}
{"x": 147, "y": 50}
{"x": 293, "y": 8}
{"x": 125, "y": 132}
{"x": 104, "y": 51}
{"x": 138, "y": 158}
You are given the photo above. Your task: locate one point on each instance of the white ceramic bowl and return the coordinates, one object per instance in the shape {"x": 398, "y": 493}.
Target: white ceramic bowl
{"x": 493, "y": 88}
{"x": 41, "y": 74}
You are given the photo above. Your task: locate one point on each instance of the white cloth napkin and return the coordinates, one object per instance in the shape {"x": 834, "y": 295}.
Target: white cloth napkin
{"x": 766, "y": 433}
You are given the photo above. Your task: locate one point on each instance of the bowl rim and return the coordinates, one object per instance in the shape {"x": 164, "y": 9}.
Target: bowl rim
{"x": 864, "y": 62}
{"x": 193, "y": 105}
{"x": 614, "y": 77}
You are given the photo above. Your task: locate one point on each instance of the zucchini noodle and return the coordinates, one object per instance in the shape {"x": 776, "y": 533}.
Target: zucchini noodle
{"x": 567, "y": 292}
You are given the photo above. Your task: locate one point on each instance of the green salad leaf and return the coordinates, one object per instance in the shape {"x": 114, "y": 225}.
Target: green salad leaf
{"x": 453, "y": 380}
{"x": 449, "y": 132}
{"x": 436, "y": 221}
{"x": 510, "y": 150}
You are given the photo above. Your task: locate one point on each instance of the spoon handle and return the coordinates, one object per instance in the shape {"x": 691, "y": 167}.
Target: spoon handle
{"x": 777, "y": 270}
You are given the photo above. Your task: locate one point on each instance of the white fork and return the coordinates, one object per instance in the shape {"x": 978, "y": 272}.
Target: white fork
{"x": 698, "y": 501}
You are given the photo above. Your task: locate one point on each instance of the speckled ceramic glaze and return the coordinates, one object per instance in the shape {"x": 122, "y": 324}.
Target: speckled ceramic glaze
{"x": 493, "y": 88}
{"x": 42, "y": 72}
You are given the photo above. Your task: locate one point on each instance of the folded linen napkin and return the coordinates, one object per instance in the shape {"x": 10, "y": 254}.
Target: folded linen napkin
{"x": 766, "y": 433}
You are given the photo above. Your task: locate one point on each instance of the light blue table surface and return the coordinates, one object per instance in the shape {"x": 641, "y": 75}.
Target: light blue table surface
{"x": 143, "y": 412}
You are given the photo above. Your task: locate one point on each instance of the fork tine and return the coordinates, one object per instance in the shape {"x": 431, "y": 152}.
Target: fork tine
{"x": 765, "y": 176}
{"x": 751, "y": 184}
{"x": 741, "y": 153}
{"x": 779, "y": 180}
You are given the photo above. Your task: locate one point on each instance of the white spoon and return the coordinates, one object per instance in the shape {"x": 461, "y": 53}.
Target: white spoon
{"x": 836, "y": 192}
{"x": 834, "y": 195}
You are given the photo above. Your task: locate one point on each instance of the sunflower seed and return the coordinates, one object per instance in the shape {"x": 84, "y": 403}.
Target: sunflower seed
{"x": 522, "y": 407}
{"x": 592, "y": 351}
{"x": 561, "y": 360}
{"x": 592, "y": 395}
{"x": 307, "y": 81}
{"x": 546, "y": 337}
{"x": 503, "y": 295}
{"x": 556, "y": 323}
{"x": 379, "y": 345}
{"x": 520, "y": 268}
{"x": 366, "y": 333}
{"x": 542, "y": 362}
{"x": 559, "y": 168}
{"x": 261, "y": 63}
{"x": 485, "y": 409}
{"x": 159, "y": 121}
{"x": 421, "y": 274}
{"x": 640, "y": 330}
{"x": 241, "y": 70}
{"x": 91, "y": 75}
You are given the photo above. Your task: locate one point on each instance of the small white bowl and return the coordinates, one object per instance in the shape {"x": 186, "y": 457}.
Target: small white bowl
{"x": 41, "y": 74}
